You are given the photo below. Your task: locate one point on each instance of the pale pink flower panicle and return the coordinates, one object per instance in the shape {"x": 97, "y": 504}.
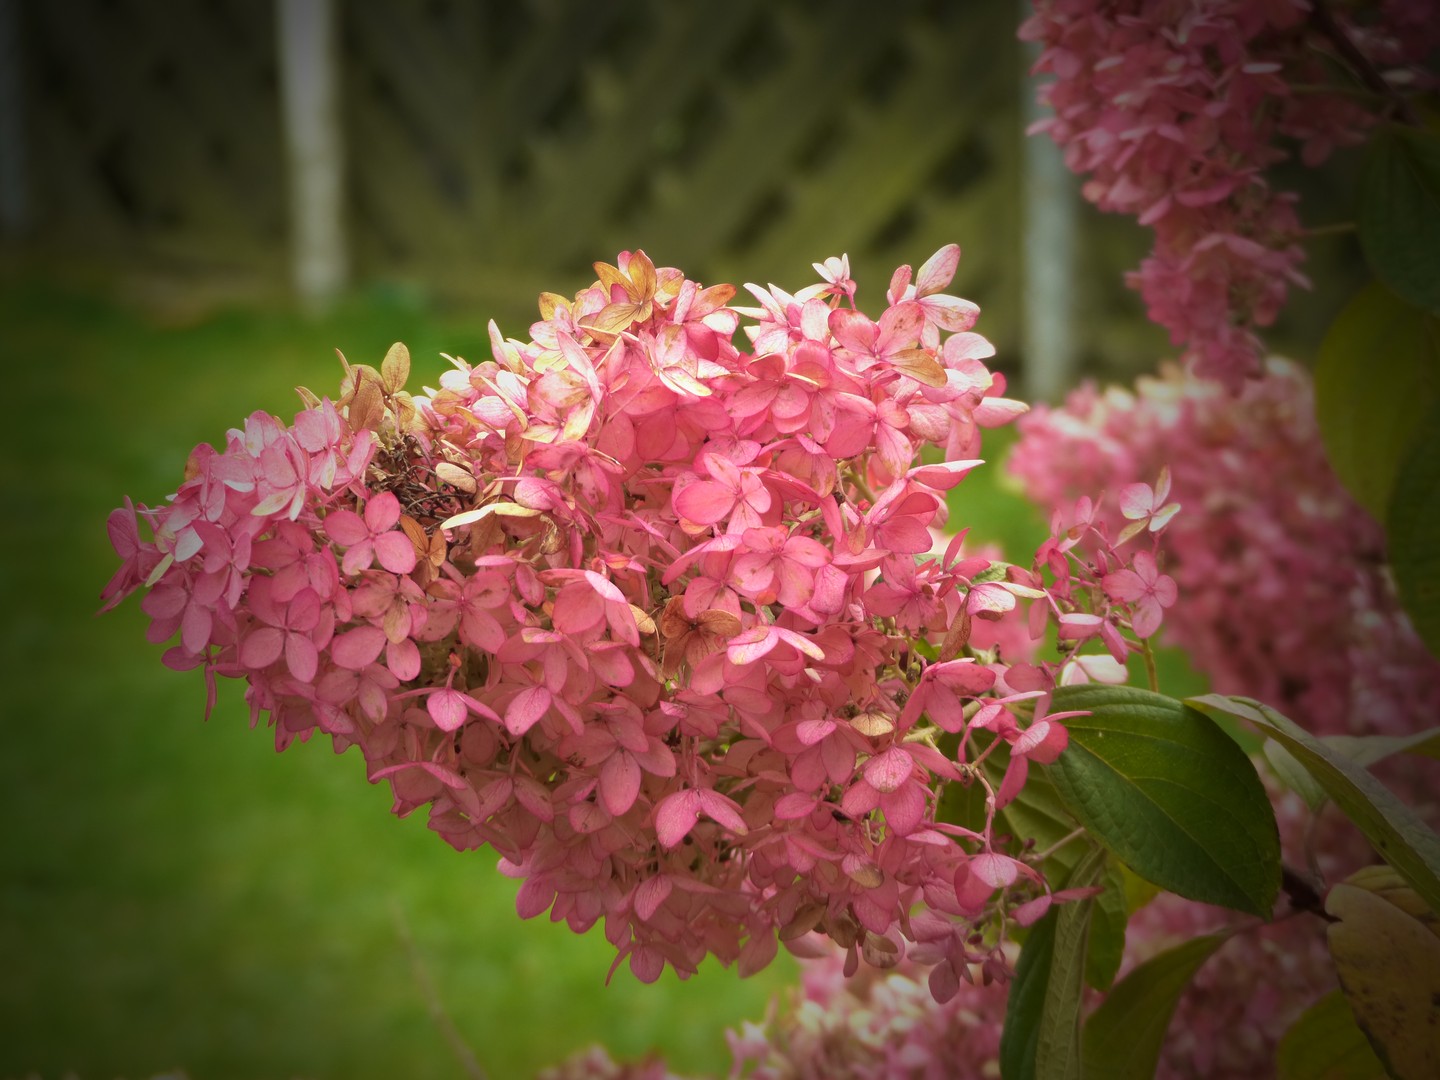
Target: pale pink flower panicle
{"x": 655, "y": 618}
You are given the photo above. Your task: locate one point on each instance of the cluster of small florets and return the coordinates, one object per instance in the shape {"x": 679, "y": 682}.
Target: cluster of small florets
{"x": 1175, "y": 112}
{"x": 655, "y": 618}
{"x": 1286, "y": 594}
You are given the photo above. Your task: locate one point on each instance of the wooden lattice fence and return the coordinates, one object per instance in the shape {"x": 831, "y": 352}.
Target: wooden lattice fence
{"x": 494, "y": 149}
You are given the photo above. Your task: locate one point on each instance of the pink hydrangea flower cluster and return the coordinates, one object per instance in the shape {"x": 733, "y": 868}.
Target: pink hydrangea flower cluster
{"x": 883, "y": 1027}
{"x": 1286, "y": 597}
{"x": 1175, "y": 112}
{"x": 654, "y": 617}
{"x": 875, "y": 1026}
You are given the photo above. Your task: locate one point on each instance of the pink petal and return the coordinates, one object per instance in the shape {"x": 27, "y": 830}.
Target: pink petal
{"x": 357, "y": 649}
{"x": 403, "y": 659}
{"x": 382, "y": 512}
{"x": 395, "y": 552}
{"x": 526, "y": 708}
{"x": 534, "y": 898}
{"x": 1015, "y": 775}
{"x": 794, "y": 805}
{"x": 480, "y": 630}
{"x": 263, "y": 647}
{"x": 646, "y": 963}
{"x": 447, "y": 708}
{"x": 750, "y": 645}
{"x": 853, "y": 330}
{"x": 938, "y": 270}
{"x": 900, "y": 325}
{"x": 963, "y": 676}
{"x": 650, "y": 894}
{"x": 951, "y": 313}
{"x": 1136, "y": 501}
{"x": 676, "y": 816}
{"x": 619, "y": 782}
{"x": 301, "y": 657}
{"x": 1043, "y": 741}
{"x": 723, "y": 810}
{"x": 705, "y": 502}
{"x": 904, "y": 809}
{"x": 1031, "y": 912}
{"x": 997, "y": 871}
{"x": 345, "y": 527}
{"x": 811, "y": 732}
{"x": 578, "y": 608}
{"x": 886, "y": 772}
{"x": 1147, "y": 619}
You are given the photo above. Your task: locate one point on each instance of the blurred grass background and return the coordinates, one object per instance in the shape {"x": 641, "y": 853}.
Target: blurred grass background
{"x": 174, "y": 893}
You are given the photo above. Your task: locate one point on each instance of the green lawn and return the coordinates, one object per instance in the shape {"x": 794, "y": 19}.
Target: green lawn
{"x": 176, "y": 895}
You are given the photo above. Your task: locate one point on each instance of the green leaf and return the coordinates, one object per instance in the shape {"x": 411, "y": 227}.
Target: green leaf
{"x": 1389, "y": 968}
{"x": 1041, "y": 1037}
{"x": 1400, "y": 213}
{"x": 1057, "y": 1053}
{"x": 1038, "y": 813}
{"x": 963, "y": 805}
{"x": 1107, "y": 930}
{"x": 1377, "y": 377}
{"x": 1294, "y": 775}
{"x": 1413, "y": 528}
{"x": 1367, "y": 750}
{"x": 1170, "y": 794}
{"x": 1025, "y": 1005}
{"x": 1395, "y": 831}
{"x": 1138, "y": 891}
{"x": 1124, "y": 1035}
{"x": 1325, "y": 1043}
{"x": 1364, "y": 750}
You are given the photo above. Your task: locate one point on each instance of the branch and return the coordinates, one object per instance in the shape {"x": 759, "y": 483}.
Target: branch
{"x": 1325, "y": 22}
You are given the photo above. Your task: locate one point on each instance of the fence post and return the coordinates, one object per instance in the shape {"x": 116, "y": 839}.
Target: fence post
{"x": 315, "y": 156}
{"x": 1049, "y": 220}
{"x": 14, "y": 189}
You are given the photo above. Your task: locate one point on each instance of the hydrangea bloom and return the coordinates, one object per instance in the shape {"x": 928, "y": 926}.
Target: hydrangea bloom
{"x": 1268, "y": 533}
{"x": 655, "y": 618}
{"x": 1176, "y": 112}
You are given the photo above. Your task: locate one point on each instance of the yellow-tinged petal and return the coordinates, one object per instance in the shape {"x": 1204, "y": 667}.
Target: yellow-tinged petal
{"x": 395, "y": 368}
{"x": 920, "y": 366}
{"x": 501, "y": 509}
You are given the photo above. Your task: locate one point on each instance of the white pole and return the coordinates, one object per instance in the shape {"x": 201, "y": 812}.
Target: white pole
{"x": 310, "y": 100}
{"x": 1049, "y": 220}
{"x": 14, "y": 191}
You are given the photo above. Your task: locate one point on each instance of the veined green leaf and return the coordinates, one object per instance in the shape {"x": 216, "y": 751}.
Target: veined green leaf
{"x": 1170, "y": 794}
{"x": 1107, "y": 930}
{"x": 1124, "y": 1035}
{"x": 1041, "y": 1038}
{"x": 1396, "y": 832}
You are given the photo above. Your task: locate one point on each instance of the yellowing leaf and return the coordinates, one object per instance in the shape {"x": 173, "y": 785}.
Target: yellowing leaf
{"x": 1389, "y": 967}
{"x": 367, "y": 408}
{"x": 455, "y": 476}
{"x": 1385, "y": 882}
{"x": 395, "y": 368}
{"x": 920, "y": 366}
{"x": 501, "y": 509}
